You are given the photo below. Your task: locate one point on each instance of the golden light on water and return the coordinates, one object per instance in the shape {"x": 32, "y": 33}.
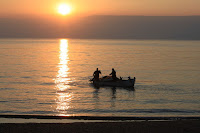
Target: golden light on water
{"x": 63, "y": 95}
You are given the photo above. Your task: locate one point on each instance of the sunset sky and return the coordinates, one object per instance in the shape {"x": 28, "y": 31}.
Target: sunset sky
{"x": 102, "y": 7}
{"x": 127, "y": 19}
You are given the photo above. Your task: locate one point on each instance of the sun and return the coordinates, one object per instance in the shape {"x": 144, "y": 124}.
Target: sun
{"x": 64, "y": 9}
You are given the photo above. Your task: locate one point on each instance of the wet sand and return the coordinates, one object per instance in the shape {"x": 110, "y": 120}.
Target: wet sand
{"x": 95, "y": 124}
{"x": 176, "y": 126}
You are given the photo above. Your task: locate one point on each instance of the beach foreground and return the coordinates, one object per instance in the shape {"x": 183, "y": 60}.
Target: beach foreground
{"x": 179, "y": 126}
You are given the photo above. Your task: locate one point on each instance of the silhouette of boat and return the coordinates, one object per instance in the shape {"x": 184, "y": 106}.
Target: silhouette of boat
{"x": 108, "y": 81}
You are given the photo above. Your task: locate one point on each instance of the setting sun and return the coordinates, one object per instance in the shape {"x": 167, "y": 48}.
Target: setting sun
{"x": 64, "y": 9}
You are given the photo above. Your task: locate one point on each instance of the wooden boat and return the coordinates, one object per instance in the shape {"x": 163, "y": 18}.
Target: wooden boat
{"x": 108, "y": 81}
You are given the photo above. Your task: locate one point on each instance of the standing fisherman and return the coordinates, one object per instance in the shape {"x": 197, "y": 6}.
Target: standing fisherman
{"x": 96, "y": 75}
{"x": 113, "y": 73}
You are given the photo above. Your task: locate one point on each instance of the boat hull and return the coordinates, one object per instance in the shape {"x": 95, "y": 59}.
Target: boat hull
{"x": 118, "y": 83}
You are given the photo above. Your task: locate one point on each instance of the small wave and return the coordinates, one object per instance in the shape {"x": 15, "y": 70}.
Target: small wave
{"x": 71, "y": 83}
{"x": 7, "y": 88}
{"x": 63, "y": 91}
{"x": 47, "y": 77}
{"x": 3, "y": 101}
{"x": 26, "y": 77}
{"x": 7, "y": 112}
{"x": 37, "y": 112}
{"x": 5, "y": 76}
{"x": 45, "y": 103}
{"x": 18, "y": 82}
{"x": 47, "y": 83}
{"x": 19, "y": 101}
{"x": 138, "y": 111}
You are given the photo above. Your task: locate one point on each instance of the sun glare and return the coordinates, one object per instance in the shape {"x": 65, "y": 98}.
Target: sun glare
{"x": 64, "y": 9}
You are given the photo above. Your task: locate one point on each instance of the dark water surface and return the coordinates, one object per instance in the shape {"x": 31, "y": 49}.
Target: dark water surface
{"x": 50, "y": 77}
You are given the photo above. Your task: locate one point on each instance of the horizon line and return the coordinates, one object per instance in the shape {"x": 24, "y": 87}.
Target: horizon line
{"x": 172, "y": 39}
{"x": 123, "y": 15}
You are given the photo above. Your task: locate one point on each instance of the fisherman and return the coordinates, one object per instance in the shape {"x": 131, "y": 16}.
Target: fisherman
{"x": 113, "y": 73}
{"x": 96, "y": 74}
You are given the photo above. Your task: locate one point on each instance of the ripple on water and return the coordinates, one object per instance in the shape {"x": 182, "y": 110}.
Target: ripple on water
{"x": 137, "y": 111}
{"x": 7, "y": 89}
{"x": 26, "y": 77}
{"x": 47, "y": 83}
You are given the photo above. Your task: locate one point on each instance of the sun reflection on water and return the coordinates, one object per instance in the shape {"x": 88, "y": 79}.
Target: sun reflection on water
{"x": 62, "y": 80}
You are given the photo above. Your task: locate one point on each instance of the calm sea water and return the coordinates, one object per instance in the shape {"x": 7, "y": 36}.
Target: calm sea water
{"x": 51, "y": 77}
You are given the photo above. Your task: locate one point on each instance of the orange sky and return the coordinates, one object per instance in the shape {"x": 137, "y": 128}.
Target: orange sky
{"x": 103, "y": 7}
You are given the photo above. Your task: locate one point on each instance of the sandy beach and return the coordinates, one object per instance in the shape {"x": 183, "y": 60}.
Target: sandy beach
{"x": 179, "y": 126}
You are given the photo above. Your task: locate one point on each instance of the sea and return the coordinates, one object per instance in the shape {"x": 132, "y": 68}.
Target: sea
{"x": 51, "y": 77}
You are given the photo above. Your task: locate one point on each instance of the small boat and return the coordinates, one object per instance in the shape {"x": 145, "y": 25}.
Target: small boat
{"x": 108, "y": 81}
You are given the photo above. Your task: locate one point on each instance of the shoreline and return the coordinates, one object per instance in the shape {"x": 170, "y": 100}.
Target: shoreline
{"x": 94, "y": 124}
{"x": 90, "y": 119}
{"x": 102, "y": 117}
{"x": 177, "y": 126}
